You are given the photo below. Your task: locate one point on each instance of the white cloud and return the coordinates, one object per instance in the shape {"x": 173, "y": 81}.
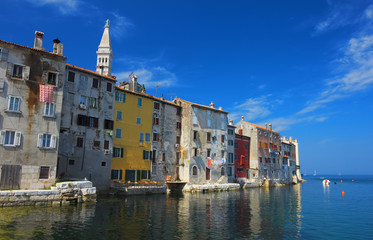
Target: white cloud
{"x": 149, "y": 77}
{"x": 64, "y": 6}
{"x": 254, "y": 108}
{"x": 369, "y": 12}
{"x": 119, "y": 25}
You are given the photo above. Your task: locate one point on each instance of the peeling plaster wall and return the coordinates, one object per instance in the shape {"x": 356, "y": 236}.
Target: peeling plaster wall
{"x": 30, "y": 120}
{"x": 195, "y": 118}
{"x": 88, "y": 161}
{"x": 230, "y": 149}
{"x": 166, "y": 144}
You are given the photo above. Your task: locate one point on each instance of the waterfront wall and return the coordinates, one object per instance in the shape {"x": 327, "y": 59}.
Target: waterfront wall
{"x": 63, "y": 194}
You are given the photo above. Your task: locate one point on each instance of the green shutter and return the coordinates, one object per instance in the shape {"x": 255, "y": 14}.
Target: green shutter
{"x": 121, "y": 152}
{"x": 143, "y": 154}
{"x": 138, "y": 175}
{"x": 113, "y": 151}
{"x": 149, "y": 174}
{"x": 116, "y": 96}
{"x": 151, "y": 155}
{"x": 112, "y": 174}
{"x": 124, "y": 97}
{"x": 120, "y": 174}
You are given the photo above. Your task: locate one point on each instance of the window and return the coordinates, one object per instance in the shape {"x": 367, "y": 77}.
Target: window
{"x": 118, "y": 133}
{"x": 87, "y": 121}
{"x": 235, "y": 156}
{"x": 93, "y": 122}
{"x": 95, "y": 83}
{"x": 229, "y": 171}
{"x": 230, "y": 131}
{"x": 209, "y": 112}
{"x": 240, "y": 169}
{"x": 52, "y": 78}
{"x": 222, "y": 138}
{"x": 208, "y": 152}
{"x": 154, "y": 156}
{"x": 230, "y": 157}
{"x": 17, "y": 71}
{"x": 236, "y": 145}
{"x": 178, "y": 139}
{"x": 10, "y": 138}
{"x": 260, "y": 159}
{"x": 178, "y": 111}
{"x": 79, "y": 142}
{"x": 178, "y": 125}
{"x": 222, "y": 154}
{"x": 194, "y": 171}
{"x": 163, "y": 157}
{"x": 195, "y": 152}
{"x": 141, "y": 137}
{"x": 195, "y": 120}
{"x": 139, "y": 102}
{"x": 49, "y": 109}
{"x": 109, "y": 124}
{"x": 222, "y": 115}
{"x": 245, "y": 146}
{"x": 147, "y": 137}
{"x": 230, "y": 142}
{"x": 47, "y": 140}
{"x": 245, "y": 157}
{"x": 117, "y": 152}
{"x": 145, "y": 174}
{"x": 44, "y": 173}
{"x": 93, "y": 102}
{"x": 109, "y": 87}
{"x": 222, "y": 171}
{"x": 83, "y": 100}
{"x": 106, "y": 145}
{"x": 222, "y": 125}
{"x": 71, "y": 77}
{"x": 120, "y": 97}
{"x": 195, "y": 134}
{"x": 71, "y": 161}
{"x": 155, "y": 136}
{"x": 156, "y": 121}
{"x": 138, "y": 120}
{"x": 119, "y": 115}
{"x": 103, "y": 164}
{"x": 116, "y": 174}
{"x": 96, "y": 144}
{"x": 156, "y": 105}
{"x": 146, "y": 155}
{"x": 208, "y": 137}
{"x": 14, "y": 104}
{"x": 208, "y": 123}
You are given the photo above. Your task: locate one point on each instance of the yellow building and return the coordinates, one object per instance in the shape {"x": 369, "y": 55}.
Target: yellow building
{"x": 133, "y": 115}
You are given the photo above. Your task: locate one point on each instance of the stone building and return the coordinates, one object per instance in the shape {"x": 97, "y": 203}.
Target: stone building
{"x": 203, "y": 144}
{"x": 87, "y": 124}
{"x": 242, "y": 157}
{"x": 166, "y": 140}
{"x": 230, "y": 152}
{"x": 31, "y": 86}
{"x": 290, "y": 159}
{"x": 264, "y": 150}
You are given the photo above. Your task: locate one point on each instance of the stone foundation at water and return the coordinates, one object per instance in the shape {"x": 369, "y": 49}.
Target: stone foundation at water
{"x": 64, "y": 193}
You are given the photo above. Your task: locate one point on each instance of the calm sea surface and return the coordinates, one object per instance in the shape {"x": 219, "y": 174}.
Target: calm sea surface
{"x": 303, "y": 211}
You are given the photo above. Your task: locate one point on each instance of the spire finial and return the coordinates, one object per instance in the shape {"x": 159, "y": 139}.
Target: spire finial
{"x": 107, "y": 23}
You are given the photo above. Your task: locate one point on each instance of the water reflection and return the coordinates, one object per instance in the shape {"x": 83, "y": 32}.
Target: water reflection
{"x": 252, "y": 213}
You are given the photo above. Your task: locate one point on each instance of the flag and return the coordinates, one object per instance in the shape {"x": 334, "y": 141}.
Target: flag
{"x": 46, "y": 93}
{"x": 208, "y": 163}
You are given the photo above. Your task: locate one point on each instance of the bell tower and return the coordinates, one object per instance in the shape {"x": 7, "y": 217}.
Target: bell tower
{"x": 105, "y": 53}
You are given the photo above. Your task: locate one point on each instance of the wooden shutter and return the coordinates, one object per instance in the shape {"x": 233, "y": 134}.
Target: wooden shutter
{"x": 9, "y": 70}
{"x": 17, "y": 140}
{"x": 53, "y": 141}
{"x": 121, "y": 152}
{"x": 2, "y": 137}
{"x": 120, "y": 174}
{"x": 40, "y": 140}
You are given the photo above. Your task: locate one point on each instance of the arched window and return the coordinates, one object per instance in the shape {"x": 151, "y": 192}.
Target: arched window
{"x": 222, "y": 171}
{"x": 106, "y": 60}
{"x": 194, "y": 171}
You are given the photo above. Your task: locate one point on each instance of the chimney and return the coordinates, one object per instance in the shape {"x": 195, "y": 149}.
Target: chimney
{"x": 220, "y": 108}
{"x": 230, "y": 122}
{"x": 270, "y": 126}
{"x": 59, "y": 49}
{"x": 38, "y": 42}
{"x": 55, "y": 44}
{"x": 290, "y": 139}
{"x": 242, "y": 118}
{"x": 266, "y": 125}
{"x": 134, "y": 83}
{"x": 212, "y": 104}
{"x": 240, "y": 131}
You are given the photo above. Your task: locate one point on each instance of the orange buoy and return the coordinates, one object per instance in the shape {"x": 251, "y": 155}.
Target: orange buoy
{"x": 341, "y": 181}
{"x": 343, "y": 193}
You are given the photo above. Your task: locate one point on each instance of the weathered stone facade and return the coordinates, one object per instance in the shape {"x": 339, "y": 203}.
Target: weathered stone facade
{"x": 29, "y": 126}
{"x": 230, "y": 152}
{"x": 86, "y": 137}
{"x": 203, "y": 144}
{"x": 166, "y": 144}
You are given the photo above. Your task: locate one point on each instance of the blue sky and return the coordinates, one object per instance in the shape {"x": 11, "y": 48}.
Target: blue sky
{"x": 304, "y": 66}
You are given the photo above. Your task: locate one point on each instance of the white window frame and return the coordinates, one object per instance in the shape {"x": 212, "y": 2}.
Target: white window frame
{"x": 42, "y": 138}
{"x": 117, "y": 152}
{"x": 16, "y": 138}
{"x": 85, "y": 100}
{"x": 142, "y": 137}
{"x": 47, "y": 80}
{"x": 147, "y": 137}
{"x": 139, "y": 102}
{"x": 92, "y": 102}
{"x": 49, "y": 109}
{"x": 118, "y": 133}
{"x": 9, "y": 103}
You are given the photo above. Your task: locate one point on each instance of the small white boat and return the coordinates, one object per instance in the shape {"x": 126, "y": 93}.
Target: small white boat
{"x": 326, "y": 182}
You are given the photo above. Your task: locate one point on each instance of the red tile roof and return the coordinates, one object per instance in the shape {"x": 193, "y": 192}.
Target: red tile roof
{"x": 203, "y": 106}
{"x": 90, "y": 71}
{"x": 267, "y": 129}
{"x": 33, "y": 49}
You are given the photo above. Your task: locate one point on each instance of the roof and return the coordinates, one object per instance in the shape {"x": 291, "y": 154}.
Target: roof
{"x": 90, "y": 71}
{"x": 267, "y": 129}
{"x": 203, "y": 106}
{"x": 147, "y": 96}
{"x": 33, "y": 49}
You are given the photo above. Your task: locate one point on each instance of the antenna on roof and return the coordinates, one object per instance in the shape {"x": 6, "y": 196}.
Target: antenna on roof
{"x": 157, "y": 85}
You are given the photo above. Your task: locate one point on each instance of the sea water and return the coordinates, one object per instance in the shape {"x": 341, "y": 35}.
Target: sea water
{"x": 304, "y": 211}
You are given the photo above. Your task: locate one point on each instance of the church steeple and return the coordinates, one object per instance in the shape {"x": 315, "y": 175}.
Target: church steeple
{"x": 105, "y": 53}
